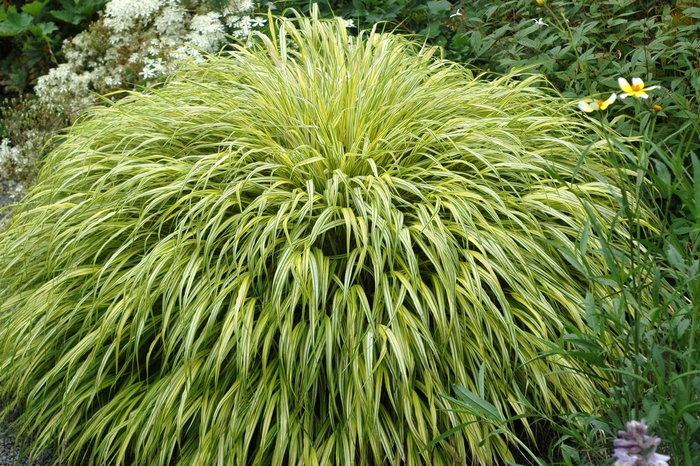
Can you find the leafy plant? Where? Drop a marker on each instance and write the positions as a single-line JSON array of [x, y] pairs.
[[584, 47], [645, 349], [286, 255], [31, 35], [657, 375]]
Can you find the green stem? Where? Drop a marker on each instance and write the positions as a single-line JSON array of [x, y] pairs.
[[566, 29]]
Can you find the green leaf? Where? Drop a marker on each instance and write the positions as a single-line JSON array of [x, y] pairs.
[[47, 28], [652, 414], [475, 40], [76, 12], [592, 318], [459, 40], [528, 43], [438, 7], [696, 182], [68, 16], [35, 8], [692, 12], [432, 30], [585, 234], [3, 13], [664, 178], [682, 326], [675, 259], [694, 424], [478, 405], [480, 380], [15, 24], [359, 7]]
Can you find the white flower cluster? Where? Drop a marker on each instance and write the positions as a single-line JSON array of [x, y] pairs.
[[13, 161], [122, 14], [140, 39], [206, 33]]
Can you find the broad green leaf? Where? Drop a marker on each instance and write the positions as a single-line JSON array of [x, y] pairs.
[[15, 24], [43, 30], [68, 16], [35, 8], [439, 6], [431, 30], [675, 259], [681, 327]]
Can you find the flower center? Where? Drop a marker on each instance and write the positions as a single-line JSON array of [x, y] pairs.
[[637, 87]]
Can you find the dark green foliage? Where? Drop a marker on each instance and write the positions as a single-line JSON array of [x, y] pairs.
[[419, 17], [586, 46], [31, 35]]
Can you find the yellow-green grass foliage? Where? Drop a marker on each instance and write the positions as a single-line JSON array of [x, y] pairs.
[[286, 255]]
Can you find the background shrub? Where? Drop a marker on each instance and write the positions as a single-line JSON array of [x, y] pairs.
[[287, 255], [31, 36]]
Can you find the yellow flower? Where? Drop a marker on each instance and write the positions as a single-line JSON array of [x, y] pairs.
[[658, 108], [591, 105], [637, 88], [541, 2]]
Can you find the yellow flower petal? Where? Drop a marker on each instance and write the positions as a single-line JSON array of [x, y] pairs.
[[606, 103]]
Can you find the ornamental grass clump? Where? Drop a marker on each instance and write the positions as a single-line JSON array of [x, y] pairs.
[[286, 255]]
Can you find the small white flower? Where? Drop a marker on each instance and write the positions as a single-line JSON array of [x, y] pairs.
[[349, 23], [245, 22], [540, 22], [457, 13], [153, 68], [231, 20], [147, 35], [258, 22]]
